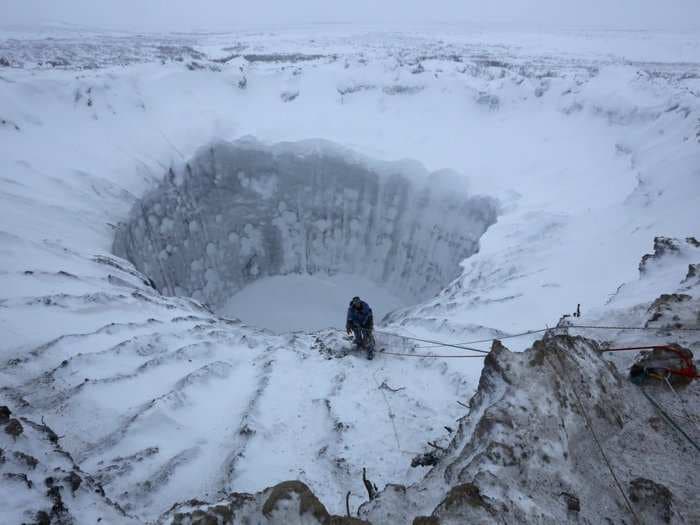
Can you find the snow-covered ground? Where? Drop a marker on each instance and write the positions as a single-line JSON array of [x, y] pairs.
[[589, 144]]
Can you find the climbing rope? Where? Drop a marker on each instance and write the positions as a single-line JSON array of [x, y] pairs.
[[542, 330], [438, 343], [482, 353], [566, 380], [649, 328], [688, 370], [452, 356], [682, 404], [392, 417], [500, 338], [391, 412], [669, 418], [627, 348], [462, 346]]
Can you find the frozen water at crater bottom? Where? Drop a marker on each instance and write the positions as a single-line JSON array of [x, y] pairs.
[[283, 303]]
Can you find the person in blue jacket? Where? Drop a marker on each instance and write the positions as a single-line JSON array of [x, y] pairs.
[[360, 323]]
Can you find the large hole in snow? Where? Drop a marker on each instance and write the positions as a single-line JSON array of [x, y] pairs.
[[283, 236]]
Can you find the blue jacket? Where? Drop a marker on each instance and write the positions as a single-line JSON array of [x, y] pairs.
[[361, 317]]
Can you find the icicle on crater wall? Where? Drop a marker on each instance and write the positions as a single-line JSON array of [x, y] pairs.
[[241, 211]]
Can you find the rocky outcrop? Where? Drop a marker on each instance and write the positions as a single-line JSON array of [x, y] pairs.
[[14, 428], [534, 447], [667, 309], [654, 501], [5, 414], [674, 268], [680, 309], [287, 502], [693, 275], [663, 246]]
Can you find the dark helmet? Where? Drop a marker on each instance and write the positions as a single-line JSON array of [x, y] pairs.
[[356, 302]]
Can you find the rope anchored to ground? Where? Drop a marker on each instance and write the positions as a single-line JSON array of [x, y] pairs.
[[462, 346]]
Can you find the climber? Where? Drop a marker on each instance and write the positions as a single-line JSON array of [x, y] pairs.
[[360, 323]]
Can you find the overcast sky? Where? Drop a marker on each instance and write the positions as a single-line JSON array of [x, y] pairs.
[[221, 15]]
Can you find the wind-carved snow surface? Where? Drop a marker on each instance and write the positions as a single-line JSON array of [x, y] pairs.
[[240, 211]]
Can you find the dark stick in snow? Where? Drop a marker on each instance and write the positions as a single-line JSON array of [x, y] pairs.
[[371, 487]]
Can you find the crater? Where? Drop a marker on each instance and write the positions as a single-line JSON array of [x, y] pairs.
[[282, 236]]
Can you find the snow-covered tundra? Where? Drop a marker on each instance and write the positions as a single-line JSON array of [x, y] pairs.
[[183, 219]]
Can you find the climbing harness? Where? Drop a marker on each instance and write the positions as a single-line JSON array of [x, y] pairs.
[[365, 340]]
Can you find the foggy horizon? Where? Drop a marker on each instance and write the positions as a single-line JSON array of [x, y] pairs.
[[222, 15]]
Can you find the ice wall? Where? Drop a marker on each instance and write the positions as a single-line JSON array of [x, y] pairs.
[[240, 211]]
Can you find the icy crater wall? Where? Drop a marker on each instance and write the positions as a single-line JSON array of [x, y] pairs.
[[241, 211]]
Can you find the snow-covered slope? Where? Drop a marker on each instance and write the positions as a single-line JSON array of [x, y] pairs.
[[42, 483], [588, 143], [176, 406], [525, 453], [555, 434]]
